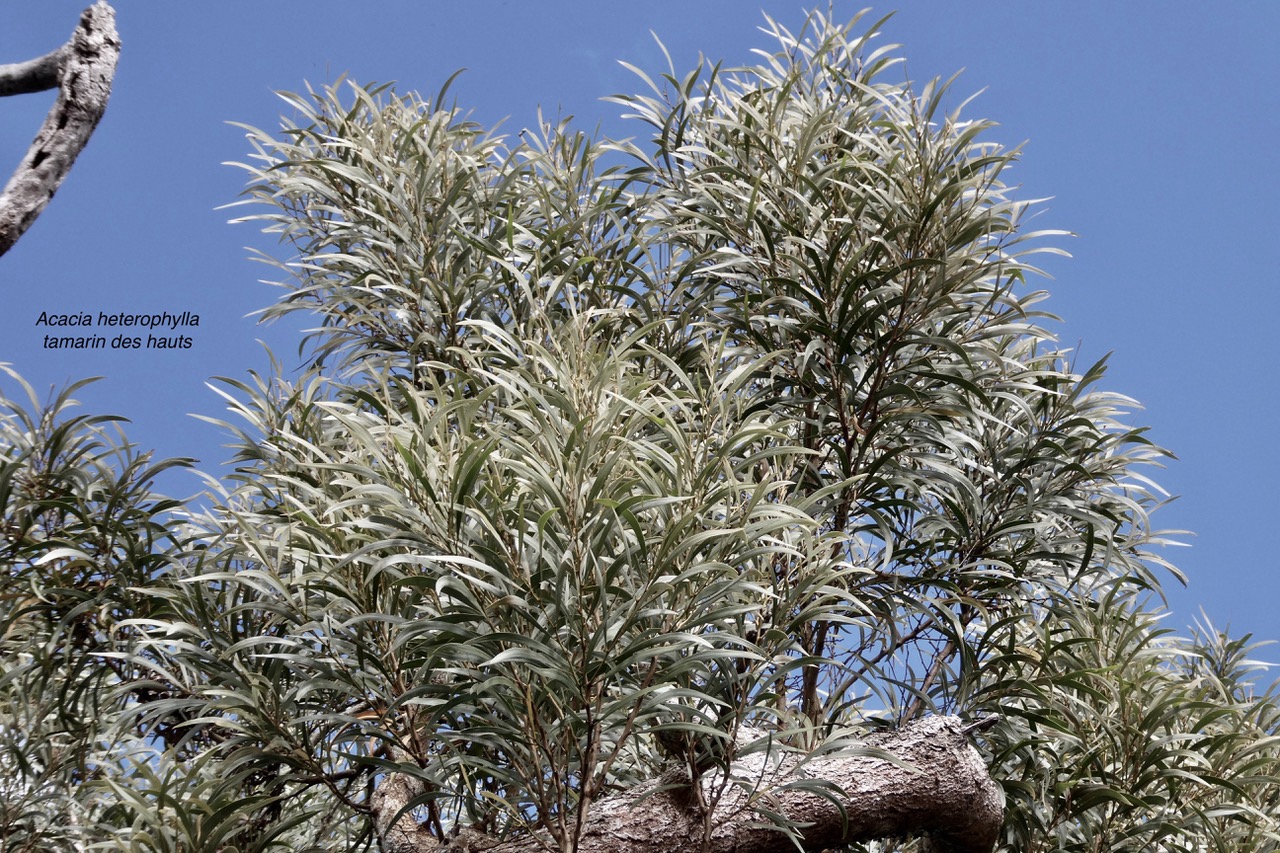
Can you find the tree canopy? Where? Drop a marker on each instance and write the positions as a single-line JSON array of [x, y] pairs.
[[723, 488]]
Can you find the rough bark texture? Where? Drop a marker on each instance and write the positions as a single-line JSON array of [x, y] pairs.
[[82, 70], [946, 794]]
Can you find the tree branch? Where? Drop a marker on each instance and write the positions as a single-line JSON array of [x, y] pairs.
[[945, 793], [34, 75], [82, 70]]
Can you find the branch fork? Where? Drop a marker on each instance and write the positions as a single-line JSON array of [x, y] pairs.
[[82, 70]]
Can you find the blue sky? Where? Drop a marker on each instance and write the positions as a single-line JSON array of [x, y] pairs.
[[1153, 127]]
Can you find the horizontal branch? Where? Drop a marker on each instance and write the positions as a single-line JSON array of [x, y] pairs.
[[83, 70], [938, 787], [34, 75]]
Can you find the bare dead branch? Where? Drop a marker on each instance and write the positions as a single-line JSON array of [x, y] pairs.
[[938, 786], [34, 75], [82, 70]]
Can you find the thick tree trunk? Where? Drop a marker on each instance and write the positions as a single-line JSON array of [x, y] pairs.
[[82, 70], [945, 794]]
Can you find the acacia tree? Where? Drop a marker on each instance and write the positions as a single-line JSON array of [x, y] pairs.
[[718, 491]]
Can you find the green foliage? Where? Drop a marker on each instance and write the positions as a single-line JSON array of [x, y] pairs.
[[618, 461]]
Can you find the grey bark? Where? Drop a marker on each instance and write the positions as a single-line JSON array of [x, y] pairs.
[[945, 793], [82, 70]]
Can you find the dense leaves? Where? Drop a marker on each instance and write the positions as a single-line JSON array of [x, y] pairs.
[[613, 462]]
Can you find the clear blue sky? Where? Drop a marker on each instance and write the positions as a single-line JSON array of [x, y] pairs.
[[1153, 126]]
